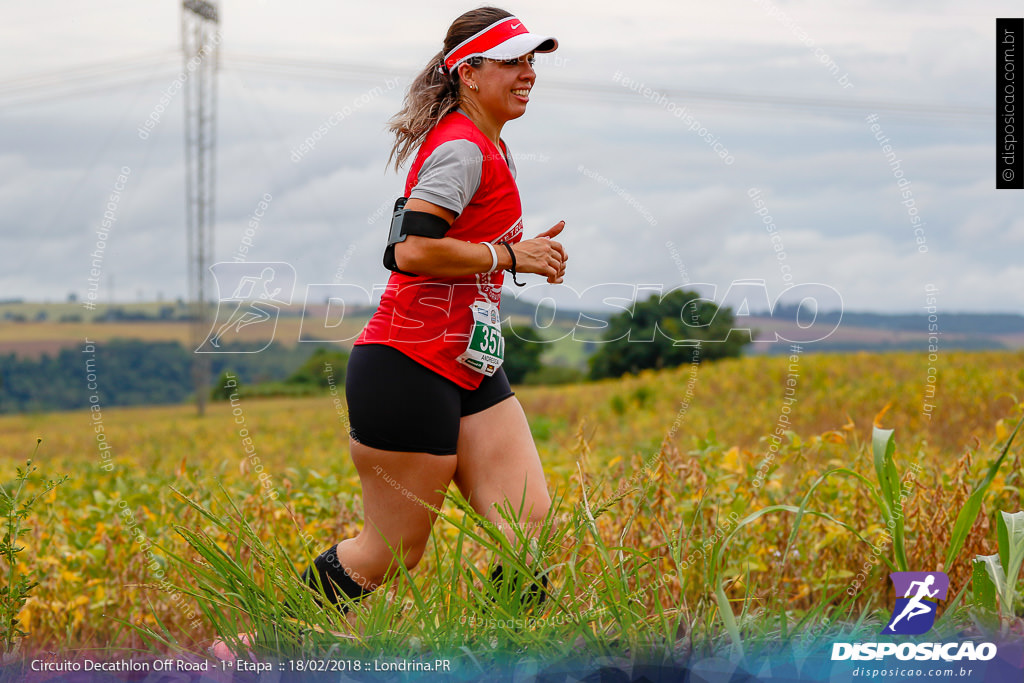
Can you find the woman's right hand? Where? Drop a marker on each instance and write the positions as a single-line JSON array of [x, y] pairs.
[[542, 255]]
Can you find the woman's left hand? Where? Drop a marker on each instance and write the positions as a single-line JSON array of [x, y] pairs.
[[543, 255]]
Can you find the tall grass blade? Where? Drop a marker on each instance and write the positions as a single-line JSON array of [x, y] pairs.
[[821, 480], [883, 445], [969, 513], [1010, 530], [983, 582]]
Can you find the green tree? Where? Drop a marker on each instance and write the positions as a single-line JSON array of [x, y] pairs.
[[648, 336], [322, 368], [226, 385], [523, 347]]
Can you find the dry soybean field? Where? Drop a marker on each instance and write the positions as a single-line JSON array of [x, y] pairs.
[[693, 511]]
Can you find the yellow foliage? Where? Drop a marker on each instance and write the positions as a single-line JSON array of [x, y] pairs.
[[90, 559]]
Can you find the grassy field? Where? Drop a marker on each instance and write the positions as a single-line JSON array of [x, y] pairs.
[[33, 339], [653, 474]]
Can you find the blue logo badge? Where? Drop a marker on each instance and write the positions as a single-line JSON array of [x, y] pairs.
[[917, 598]]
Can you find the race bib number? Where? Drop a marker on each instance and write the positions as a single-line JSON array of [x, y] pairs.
[[486, 350]]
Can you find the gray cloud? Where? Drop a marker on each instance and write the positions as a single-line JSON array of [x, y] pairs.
[[823, 175]]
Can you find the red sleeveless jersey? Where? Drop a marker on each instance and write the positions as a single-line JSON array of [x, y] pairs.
[[428, 318]]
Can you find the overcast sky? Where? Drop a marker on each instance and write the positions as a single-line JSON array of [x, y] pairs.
[[647, 201]]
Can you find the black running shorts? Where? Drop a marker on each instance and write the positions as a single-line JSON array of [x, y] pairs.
[[396, 404]]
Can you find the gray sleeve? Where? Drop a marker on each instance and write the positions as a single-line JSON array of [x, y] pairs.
[[511, 161], [450, 176]]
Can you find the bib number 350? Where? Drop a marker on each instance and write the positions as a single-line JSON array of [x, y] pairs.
[[486, 350]]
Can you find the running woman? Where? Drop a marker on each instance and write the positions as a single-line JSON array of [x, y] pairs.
[[428, 401]]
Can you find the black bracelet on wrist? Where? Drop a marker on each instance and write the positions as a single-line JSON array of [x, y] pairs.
[[512, 270]]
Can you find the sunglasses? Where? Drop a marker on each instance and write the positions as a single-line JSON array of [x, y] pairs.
[[530, 59]]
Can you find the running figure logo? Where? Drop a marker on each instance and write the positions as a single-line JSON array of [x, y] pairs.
[[921, 592], [258, 290]]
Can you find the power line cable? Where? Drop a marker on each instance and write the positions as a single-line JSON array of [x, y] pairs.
[[333, 71], [58, 95], [76, 82]]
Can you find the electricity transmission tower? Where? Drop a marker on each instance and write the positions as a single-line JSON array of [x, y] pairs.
[[200, 40]]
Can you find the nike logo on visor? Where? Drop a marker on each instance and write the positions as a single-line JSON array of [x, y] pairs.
[[515, 26]]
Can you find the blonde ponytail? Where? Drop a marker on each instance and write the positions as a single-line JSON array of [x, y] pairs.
[[435, 93]]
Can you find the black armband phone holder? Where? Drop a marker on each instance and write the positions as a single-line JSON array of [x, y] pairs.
[[405, 223]]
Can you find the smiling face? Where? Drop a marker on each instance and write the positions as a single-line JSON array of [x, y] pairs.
[[502, 87]]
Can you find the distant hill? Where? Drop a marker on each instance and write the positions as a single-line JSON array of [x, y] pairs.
[[30, 330], [960, 323], [864, 331]]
